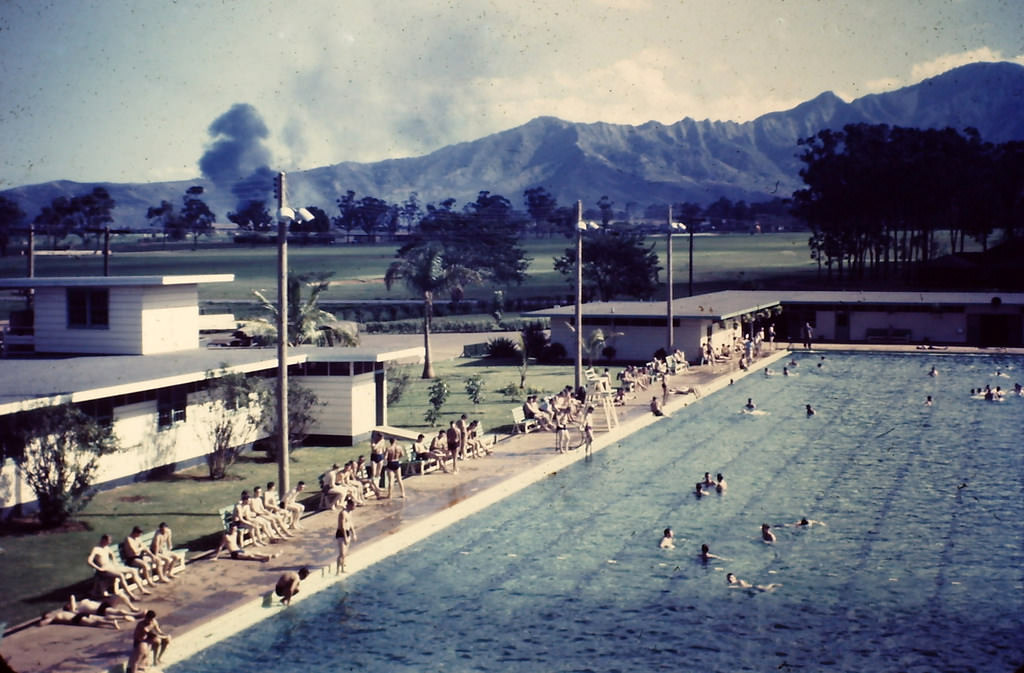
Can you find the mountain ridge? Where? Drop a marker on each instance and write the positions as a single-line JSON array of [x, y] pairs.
[[688, 160]]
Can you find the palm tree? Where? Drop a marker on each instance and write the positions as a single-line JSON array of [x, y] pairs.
[[307, 322], [425, 271]]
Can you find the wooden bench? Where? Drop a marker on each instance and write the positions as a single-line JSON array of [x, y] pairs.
[[520, 423]]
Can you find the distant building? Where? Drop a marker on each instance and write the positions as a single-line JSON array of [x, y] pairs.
[[126, 350], [636, 329]]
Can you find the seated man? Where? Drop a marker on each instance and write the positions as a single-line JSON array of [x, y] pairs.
[[271, 504], [246, 519], [531, 409], [439, 448], [101, 558], [139, 556], [162, 547], [475, 441], [292, 505], [269, 519]]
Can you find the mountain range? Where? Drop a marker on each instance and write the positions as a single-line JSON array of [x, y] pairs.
[[689, 160]]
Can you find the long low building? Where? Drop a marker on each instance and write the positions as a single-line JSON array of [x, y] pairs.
[[132, 360], [636, 329]]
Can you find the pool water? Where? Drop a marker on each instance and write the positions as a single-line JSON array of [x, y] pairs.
[[919, 567]]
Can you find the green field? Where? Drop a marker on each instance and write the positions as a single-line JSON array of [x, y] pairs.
[[733, 259]]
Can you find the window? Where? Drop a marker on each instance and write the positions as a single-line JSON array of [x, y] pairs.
[[88, 307], [170, 406], [101, 411]]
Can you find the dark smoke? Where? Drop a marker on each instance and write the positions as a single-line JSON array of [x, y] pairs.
[[237, 159]]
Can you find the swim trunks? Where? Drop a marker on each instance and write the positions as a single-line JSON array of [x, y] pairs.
[[235, 554], [394, 465], [339, 533], [376, 457]]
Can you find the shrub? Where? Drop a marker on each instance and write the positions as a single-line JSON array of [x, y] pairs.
[[437, 395], [475, 388], [553, 352], [535, 339], [502, 347], [398, 381]]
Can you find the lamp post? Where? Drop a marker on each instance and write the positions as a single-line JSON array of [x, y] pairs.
[[285, 216], [672, 226], [581, 227]]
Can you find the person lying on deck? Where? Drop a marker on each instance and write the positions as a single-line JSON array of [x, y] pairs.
[[229, 541]]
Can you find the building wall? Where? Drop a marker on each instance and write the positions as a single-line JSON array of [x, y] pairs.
[[639, 343], [144, 446], [348, 404], [142, 321], [170, 319]]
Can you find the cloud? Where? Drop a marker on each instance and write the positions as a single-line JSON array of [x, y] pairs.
[[937, 66]]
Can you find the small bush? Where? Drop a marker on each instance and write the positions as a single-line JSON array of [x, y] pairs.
[[552, 352], [502, 347], [475, 388]]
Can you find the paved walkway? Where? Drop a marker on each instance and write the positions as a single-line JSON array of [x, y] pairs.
[[212, 600]]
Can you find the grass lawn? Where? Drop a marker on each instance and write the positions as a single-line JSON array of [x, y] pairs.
[[359, 269], [39, 571]]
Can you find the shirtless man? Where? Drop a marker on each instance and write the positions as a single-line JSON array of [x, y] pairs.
[[462, 426], [245, 519], [706, 555], [270, 503], [71, 618], [587, 428], [561, 431], [105, 608], [148, 637], [454, 441], [288, 584], [766, 534], [750, 406], [229, 541], [292, 504], [656, 407], [807, 523], [101, 558], [439, 449], [810, 410], [344, 535], [720, 485], [708, 481], [271, 520], [393, 465], [736, 583], [162, 544], [139, 556], [667, 540]]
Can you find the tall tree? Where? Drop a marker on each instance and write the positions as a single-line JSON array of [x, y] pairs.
[[426, 270], [541, 206], [252, 215], [196, 217], [11, 218], [614, 263]]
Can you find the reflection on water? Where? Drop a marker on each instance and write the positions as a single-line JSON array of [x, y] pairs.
[[917, 569]]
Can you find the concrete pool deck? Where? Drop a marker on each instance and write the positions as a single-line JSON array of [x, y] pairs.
[[213, 600]]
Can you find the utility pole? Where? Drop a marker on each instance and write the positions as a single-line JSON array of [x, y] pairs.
[[280, 191]]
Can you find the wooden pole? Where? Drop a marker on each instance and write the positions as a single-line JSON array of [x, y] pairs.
[[670, 339], [282, 341]]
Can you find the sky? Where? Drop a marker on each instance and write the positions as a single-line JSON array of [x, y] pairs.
[[127, 91]]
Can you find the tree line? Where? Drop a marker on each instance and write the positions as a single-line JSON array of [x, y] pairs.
[[877, 197]]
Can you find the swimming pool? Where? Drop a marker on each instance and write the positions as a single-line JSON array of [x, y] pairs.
[[918, 567]]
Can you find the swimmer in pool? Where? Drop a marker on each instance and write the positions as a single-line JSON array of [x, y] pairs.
[[767, 372], [928, 402], [736, 583], [766, 534], [708, 481], [810, 410], [933, 372], [785, 371], [750, 406], [806, 523], [794, 363], [667, 540], [699, 490], [721, 485], [706, 555]]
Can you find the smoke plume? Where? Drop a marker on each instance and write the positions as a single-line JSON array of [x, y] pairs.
[[237, 158]]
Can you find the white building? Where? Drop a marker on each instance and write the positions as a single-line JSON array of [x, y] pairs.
[[637, 329], [126, 350]]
